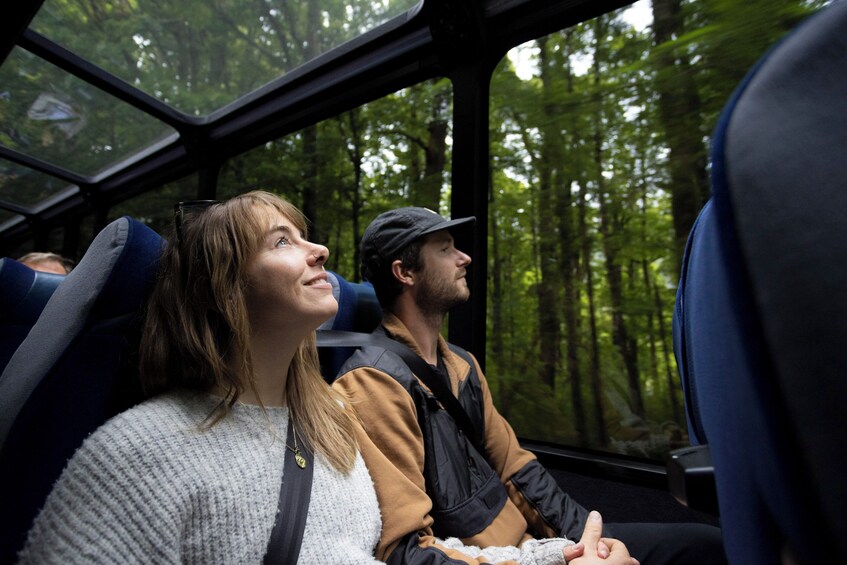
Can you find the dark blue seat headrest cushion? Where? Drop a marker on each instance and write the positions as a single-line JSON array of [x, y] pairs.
[[24, 292], [358, 311]]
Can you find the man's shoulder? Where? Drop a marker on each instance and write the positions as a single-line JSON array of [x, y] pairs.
[[381, 359]]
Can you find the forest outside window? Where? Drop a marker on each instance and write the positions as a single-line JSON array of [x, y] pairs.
[[344, 171], [599, 138], [199, 56], [155, 208]]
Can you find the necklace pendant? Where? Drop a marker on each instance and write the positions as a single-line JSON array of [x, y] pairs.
[[300, 460]]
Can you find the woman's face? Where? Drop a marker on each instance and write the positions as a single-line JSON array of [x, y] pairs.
[[287, 285]]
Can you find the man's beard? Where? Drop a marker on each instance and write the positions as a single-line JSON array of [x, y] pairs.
[[437, 297]]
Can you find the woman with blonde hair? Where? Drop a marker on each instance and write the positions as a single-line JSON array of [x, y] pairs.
[[228, 357]]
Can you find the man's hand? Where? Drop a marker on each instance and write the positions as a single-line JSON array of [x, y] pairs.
[[595, 550]]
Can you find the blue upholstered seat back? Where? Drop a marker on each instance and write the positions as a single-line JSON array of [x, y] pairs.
[[358, 311], [23, 294], [760, 326], [71, 373]]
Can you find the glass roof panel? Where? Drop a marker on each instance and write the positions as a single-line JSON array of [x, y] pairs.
[[26, 187], [156, 207], [198, 55], [5, 216], [51, 115]]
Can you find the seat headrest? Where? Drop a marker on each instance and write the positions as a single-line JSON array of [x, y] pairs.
[[106, 282], [764, 300], [358, 311], [781, 176], [25, 292]]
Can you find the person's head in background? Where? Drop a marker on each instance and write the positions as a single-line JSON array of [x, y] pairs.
[[47, 262], [239, 279]]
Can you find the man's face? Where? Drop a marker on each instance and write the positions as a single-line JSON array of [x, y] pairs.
[[442, 282]]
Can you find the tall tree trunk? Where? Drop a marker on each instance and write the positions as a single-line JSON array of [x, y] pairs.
[[495, 273], [435, 161], [614, 277], [608, 209], [426, 185], [310, 182], [673, 380], [651, 330], [546, 289], [645, 267], [569, 262], [354, 193], [679, 112], [596, 377]]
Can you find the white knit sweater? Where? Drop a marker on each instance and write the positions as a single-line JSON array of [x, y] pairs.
[[151, 486]]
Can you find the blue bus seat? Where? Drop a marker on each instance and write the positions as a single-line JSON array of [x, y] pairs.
[[73, 371], [358, 311], [23, 294], [760, 326]]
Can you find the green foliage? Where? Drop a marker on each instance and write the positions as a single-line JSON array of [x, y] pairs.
[[199, 56], [367, 161], [728, 36], [156, 208], [580, 132]]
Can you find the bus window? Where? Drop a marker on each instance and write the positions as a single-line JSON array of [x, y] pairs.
[[343, 171], [54, 116], [199, 56], [155, 208], [599, 137]]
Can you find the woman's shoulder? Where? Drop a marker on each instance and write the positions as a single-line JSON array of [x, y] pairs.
[[173, 406], [142, 459], [170, 418]]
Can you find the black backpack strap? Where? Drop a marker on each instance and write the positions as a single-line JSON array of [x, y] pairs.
[[423, 370], [473, 377], [293, 505]]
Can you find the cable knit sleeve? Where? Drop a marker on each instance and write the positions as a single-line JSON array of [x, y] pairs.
[[532, 552], [85, 518]]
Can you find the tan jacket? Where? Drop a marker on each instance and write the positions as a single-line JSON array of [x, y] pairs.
[[394, 453]]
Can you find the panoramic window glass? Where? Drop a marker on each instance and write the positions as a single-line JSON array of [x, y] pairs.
[[5, 216], [87, 234], [344, 171], [25, 186], [156, 207], [599, 137], [49, 114], [199, 56]]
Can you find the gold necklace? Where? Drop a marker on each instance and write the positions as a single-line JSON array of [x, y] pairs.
[[298, 457]]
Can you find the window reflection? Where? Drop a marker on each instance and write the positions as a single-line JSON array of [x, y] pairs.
[[53, 116]]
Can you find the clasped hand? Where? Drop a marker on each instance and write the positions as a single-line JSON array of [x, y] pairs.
[[593, 549]]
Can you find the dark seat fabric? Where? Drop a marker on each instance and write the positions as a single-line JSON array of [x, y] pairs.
[[761, 315], [23, 294], [74, 370], [358, 311]]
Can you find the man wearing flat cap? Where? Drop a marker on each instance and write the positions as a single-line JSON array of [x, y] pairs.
[[454, 465]]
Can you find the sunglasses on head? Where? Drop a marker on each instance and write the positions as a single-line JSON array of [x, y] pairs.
[[182, 210]]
